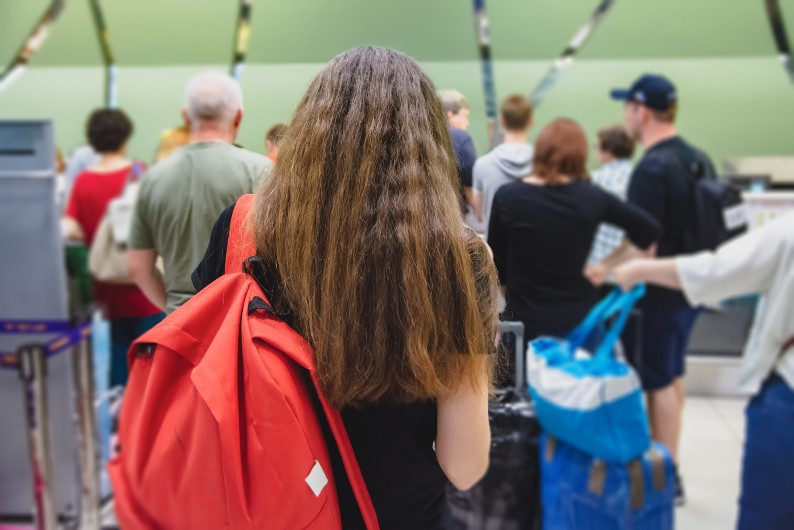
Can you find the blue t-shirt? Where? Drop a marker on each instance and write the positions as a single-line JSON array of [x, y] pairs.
[[466, 155]]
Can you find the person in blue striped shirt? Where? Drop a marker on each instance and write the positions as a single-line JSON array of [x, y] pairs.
[[615, 149]]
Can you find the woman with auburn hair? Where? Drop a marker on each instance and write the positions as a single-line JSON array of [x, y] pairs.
[[365, 254], [542, 228]]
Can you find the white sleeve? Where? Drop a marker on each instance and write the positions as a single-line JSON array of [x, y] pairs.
[[745, 265]]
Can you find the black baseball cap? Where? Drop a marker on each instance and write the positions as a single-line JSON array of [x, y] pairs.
[[653, 91]]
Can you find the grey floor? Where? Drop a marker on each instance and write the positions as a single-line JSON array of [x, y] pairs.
[[711, 453]]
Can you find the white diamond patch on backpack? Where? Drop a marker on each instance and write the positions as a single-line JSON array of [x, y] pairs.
[[317, 479]]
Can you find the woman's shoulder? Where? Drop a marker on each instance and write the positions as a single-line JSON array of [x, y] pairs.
[[516, 187], [82, 179], [587, 188], [417, 410]]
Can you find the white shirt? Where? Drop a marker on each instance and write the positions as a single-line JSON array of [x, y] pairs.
[[761, 261]]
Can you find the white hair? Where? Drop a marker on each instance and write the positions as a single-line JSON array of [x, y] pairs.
[[453, 100], [213, 97]]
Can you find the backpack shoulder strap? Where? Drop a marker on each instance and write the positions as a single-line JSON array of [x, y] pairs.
[[354, 476], [696, 163], [240, 244]]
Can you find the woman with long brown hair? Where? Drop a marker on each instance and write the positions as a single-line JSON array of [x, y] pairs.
[[541, 231], [365, 254]]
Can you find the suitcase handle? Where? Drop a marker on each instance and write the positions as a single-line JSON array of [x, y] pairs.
[[517, 329]]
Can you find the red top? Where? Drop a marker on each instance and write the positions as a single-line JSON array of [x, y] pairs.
[[88, 201]]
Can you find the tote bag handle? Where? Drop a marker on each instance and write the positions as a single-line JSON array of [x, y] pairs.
[[622, 308], [615, 302]]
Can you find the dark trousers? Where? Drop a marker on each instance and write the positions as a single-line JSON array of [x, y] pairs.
[[123, 331]]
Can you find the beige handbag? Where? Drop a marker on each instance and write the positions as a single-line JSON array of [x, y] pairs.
[[107, 257], [107, 260]]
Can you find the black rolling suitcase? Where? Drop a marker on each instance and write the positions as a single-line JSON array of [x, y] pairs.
[[508, 497]]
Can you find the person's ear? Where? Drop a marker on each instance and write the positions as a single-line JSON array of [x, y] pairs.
[[238, 118], [645, 114], [186, 119]]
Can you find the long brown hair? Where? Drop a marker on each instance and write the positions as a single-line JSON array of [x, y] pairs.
[[560, 152], [360, 221]]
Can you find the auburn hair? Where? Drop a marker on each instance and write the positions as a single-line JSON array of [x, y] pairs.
[[360, 221], [561, 152]]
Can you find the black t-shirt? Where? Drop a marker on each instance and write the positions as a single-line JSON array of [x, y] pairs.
[[541, 237], [393, 443], [662, 184]]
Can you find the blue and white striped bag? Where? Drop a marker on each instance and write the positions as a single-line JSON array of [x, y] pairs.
[[591, 401]]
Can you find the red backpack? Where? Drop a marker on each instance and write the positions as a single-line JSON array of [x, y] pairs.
[[219, 427]]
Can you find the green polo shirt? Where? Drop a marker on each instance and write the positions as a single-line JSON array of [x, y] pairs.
[[181, 198]]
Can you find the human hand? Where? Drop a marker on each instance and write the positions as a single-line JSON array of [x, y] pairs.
[[629, 274], [596, 273]]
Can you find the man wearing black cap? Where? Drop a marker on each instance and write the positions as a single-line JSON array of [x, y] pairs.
[[663, 184]]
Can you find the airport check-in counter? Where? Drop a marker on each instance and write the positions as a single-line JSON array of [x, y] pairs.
[[33, 288]]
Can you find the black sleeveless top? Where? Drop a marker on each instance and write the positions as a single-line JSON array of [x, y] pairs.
[[393, 443]]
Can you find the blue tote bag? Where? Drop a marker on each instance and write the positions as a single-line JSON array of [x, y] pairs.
[[591, 400]]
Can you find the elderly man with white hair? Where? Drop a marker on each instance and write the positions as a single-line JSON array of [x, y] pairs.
[[181, 197]]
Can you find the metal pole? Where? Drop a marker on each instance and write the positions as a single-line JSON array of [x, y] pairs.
[[111, 96], [569, 53], [32, 43], [87, 438], [241, 38], [483, 34], [780, 35], [33, 371]]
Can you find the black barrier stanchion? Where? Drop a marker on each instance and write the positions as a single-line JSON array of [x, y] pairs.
[[86, 426], [33, 371]]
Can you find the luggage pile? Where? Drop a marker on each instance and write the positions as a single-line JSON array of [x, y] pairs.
[[586, 493], [599, 467], [594, 466], [508, 496]]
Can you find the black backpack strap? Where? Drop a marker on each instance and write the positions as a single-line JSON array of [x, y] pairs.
[[696, 162], [695, 166], [258, 303], [688, 159]]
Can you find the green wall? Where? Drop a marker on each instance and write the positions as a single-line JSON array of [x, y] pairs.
[[735, 97], [166, 32]]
